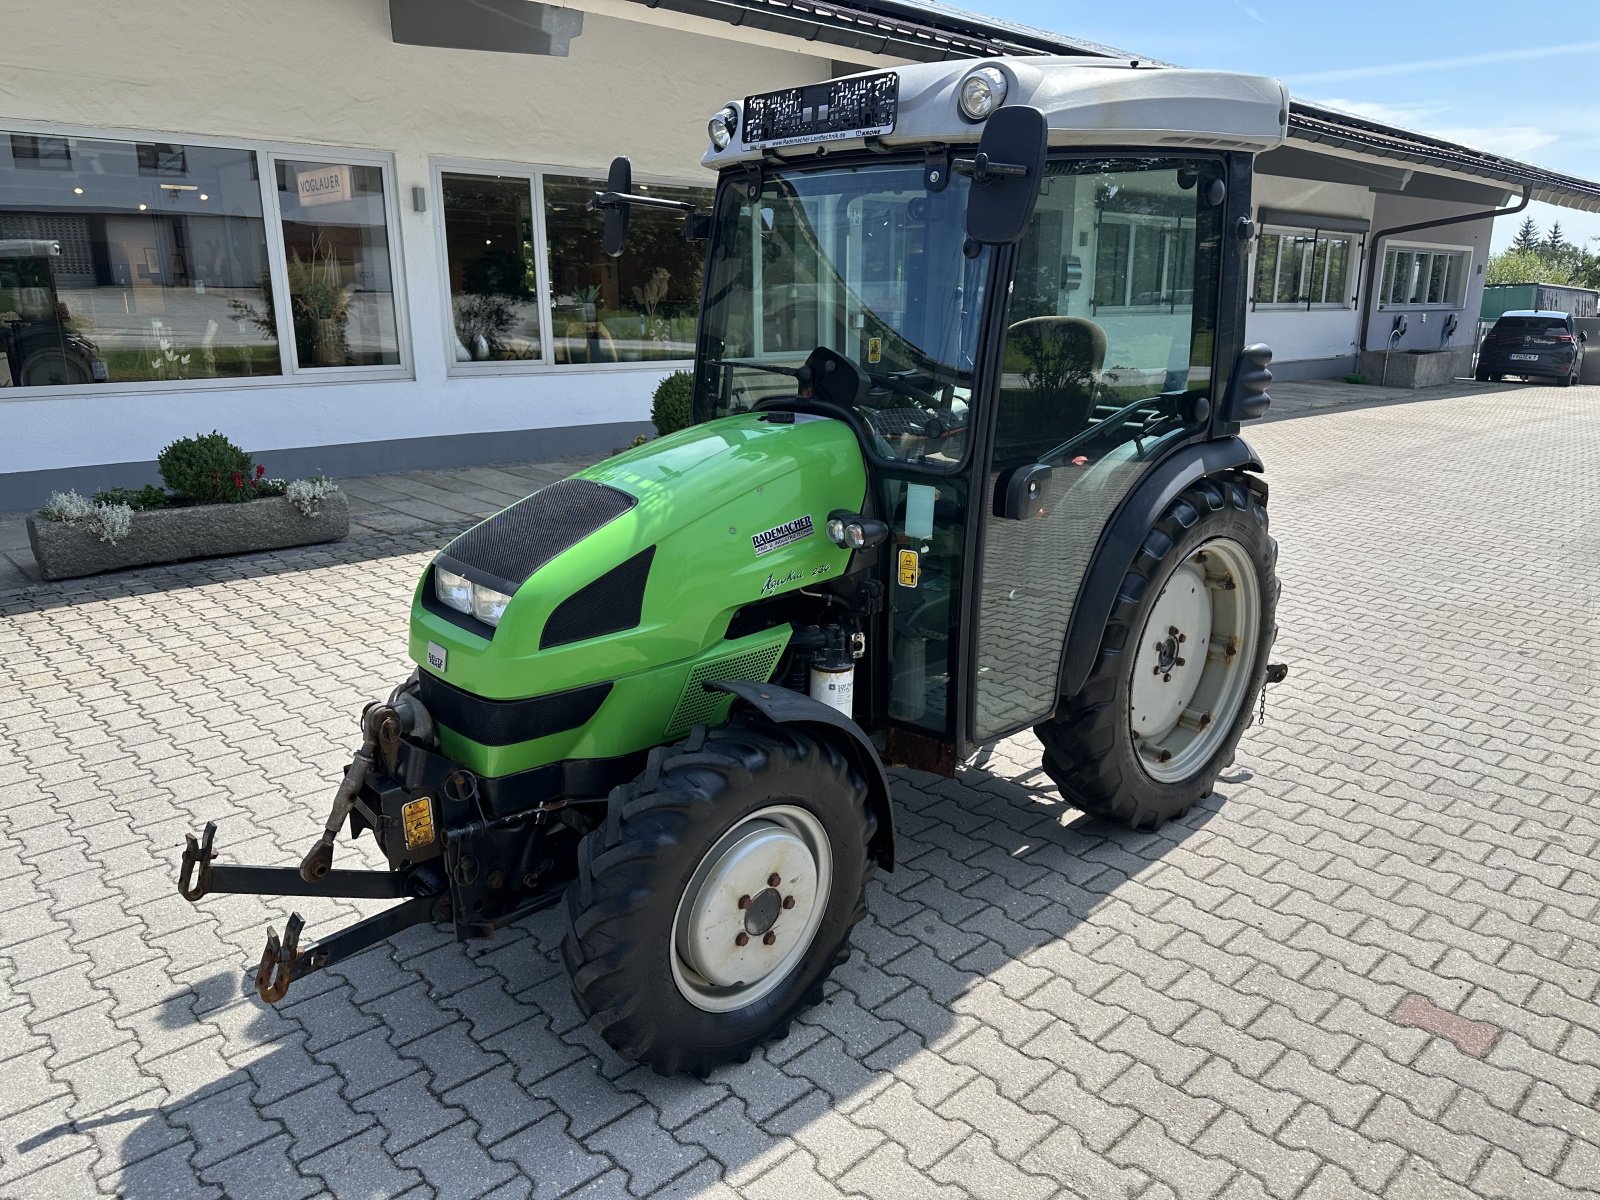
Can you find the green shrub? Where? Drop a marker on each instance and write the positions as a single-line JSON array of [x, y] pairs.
[[1355, 378], [209, 469], [149, 496], [672, 408]]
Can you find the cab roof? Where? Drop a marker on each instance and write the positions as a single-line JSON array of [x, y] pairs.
[[1086, 102]]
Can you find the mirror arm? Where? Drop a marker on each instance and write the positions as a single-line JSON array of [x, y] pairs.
[[982, 168], [604, 200]]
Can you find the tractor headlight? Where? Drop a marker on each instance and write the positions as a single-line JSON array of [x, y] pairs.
[[983, 91], [453, 591], [722, 126], [487, 604]]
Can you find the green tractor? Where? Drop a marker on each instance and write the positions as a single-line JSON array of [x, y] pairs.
[[966, 461]]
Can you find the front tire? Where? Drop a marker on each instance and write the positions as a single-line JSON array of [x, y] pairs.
[[1183, 655], [681, 950]]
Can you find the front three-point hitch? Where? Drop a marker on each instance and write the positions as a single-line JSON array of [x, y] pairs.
[[282, 962]]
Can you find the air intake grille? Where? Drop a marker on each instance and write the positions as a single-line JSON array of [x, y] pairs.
[[511, 545], [697, 705]]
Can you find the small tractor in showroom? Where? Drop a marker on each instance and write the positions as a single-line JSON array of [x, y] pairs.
[[968, 388]]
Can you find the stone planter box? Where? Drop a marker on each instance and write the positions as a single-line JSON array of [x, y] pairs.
[[164, 535], [1417, 368]]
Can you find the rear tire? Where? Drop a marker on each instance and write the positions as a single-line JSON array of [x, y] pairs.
[[1482, 377], [1090, 748], [653, 957]]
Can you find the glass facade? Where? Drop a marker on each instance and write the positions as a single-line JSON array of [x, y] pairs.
[[126, 262], [641, 307], [493, 266], [336, 252]]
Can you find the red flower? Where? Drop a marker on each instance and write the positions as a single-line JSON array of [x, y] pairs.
[[260, 470], [238, 484]]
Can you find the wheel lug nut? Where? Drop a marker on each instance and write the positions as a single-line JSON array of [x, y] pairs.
[[1178, 662], [743, 939], [744, 901], [1166, 678], [1172, 631], [773, 880], [788, 902], [1183, 637], [769, 938]]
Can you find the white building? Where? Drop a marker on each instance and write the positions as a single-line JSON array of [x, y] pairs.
[[351, 235]]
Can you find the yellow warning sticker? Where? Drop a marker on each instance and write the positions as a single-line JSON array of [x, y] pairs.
[[875, 350], [416, 818], [910, 568]]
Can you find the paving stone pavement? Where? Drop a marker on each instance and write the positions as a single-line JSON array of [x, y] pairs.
[[1367, 966]]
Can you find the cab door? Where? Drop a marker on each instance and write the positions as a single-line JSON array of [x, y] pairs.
[[1106, 365]]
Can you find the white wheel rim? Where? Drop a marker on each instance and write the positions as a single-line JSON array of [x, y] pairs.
[[737, 934], [1191, 668]]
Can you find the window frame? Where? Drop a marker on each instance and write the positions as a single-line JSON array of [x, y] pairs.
[[534, 173], [266, 152], [1318, 237], [1465, 255]]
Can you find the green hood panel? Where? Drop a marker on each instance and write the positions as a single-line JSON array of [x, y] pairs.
[[737, 511]]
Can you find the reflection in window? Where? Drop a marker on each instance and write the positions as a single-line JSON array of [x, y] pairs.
[[488, 230], [336, 243], [641, 307], [112, 270]]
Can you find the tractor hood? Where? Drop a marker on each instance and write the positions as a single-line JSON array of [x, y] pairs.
[[640, 561]]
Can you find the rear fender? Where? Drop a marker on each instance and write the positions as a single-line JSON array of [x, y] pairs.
[[1125, 533], [784, 707]]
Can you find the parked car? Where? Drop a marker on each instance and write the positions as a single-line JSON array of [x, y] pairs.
[[38, 346], [1533, 344]]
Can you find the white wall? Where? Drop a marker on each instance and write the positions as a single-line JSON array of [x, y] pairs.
[[325, 72], [1299, 335]]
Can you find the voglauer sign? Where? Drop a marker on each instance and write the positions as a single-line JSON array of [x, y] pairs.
[[323, 185]]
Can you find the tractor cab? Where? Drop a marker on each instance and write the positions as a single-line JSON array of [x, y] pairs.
[[969, 380], [1019, 311]]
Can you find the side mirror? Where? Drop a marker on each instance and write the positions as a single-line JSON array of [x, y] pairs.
[[1007, 174], [1247, 397], [619, 182], [1583, 335]]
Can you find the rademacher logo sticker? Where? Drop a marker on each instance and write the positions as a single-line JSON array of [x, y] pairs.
[[783, 535]]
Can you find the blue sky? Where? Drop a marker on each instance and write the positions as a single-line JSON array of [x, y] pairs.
[[1469, 71]]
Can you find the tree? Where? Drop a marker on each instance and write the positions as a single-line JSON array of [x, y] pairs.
[[1527, 236], [1554, 240], [1522, 266]]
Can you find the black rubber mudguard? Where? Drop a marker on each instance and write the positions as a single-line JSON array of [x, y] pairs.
[[782, 706], [1125, 533]]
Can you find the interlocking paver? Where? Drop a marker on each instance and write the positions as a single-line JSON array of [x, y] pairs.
[[1370, 972]]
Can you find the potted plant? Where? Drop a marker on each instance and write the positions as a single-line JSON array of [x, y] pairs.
[[216, 501], [321, 300]]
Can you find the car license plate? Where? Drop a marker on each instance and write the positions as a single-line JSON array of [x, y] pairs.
[[822, 112], [1524, 357]]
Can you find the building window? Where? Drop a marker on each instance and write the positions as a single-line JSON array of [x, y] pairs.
[[335, 230], [492, 262], [1418, 277], [122, 263], [641, 307], [1308, 267], [1144, 262]]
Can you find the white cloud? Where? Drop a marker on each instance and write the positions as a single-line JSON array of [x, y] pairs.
[[1411, 116], [1381, 70]]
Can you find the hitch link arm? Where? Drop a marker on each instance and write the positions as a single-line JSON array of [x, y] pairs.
[[380, 727], [284, 962], [200, 876]]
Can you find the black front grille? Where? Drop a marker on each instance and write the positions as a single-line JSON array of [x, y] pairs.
[[511, 545], [507, 722], [610, 604]]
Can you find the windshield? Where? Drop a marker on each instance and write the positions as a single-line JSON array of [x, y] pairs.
[[866, 261]]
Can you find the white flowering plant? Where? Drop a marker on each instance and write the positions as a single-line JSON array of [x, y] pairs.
[[307, 494], [109, 522]]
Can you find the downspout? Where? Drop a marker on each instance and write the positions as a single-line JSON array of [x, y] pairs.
[[1373, 274]]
